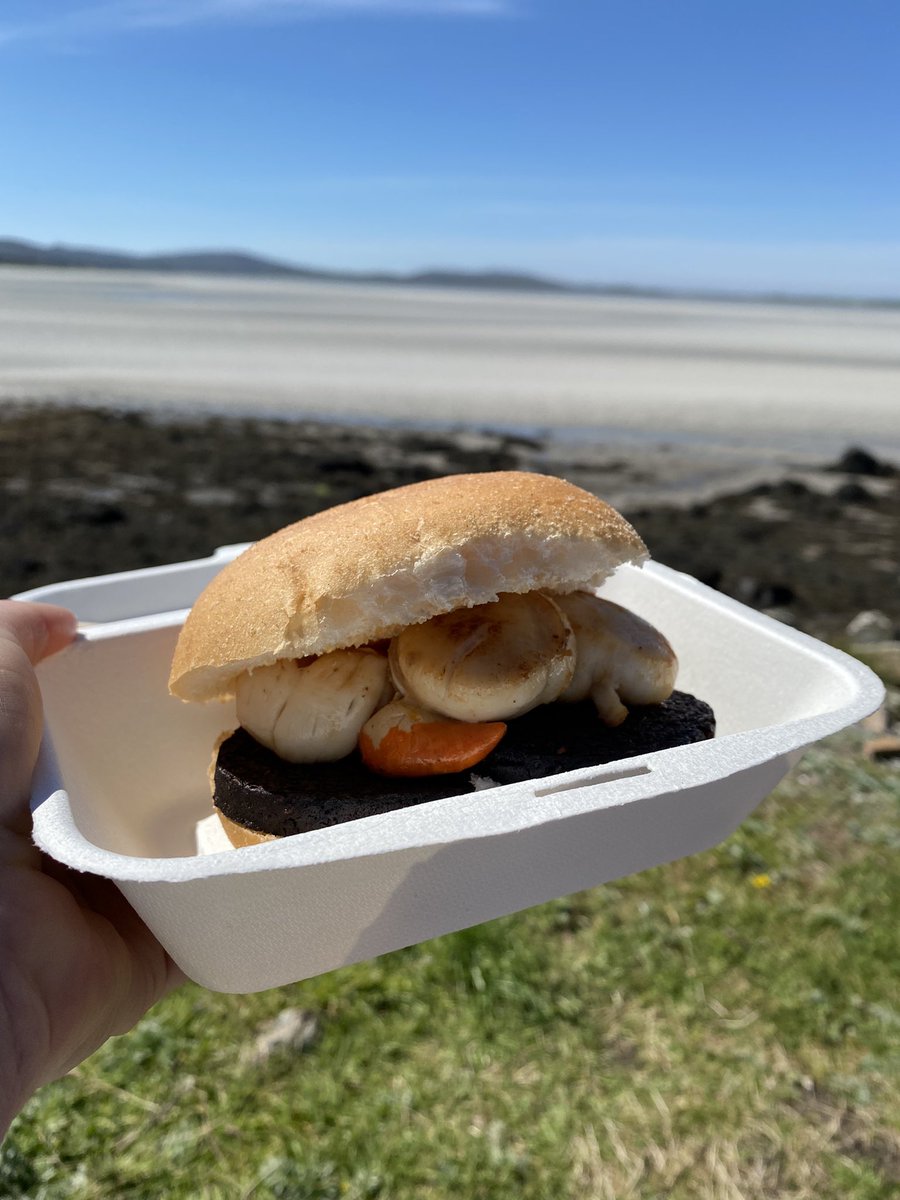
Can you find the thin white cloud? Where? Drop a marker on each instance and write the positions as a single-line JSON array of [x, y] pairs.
[[172, 13], [124, 16]]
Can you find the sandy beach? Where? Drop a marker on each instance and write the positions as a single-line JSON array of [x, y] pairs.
[[766, 380]]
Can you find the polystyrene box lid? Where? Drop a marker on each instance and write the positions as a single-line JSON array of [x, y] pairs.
[[122, 786]]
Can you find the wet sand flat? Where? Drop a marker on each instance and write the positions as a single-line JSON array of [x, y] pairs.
[[782, 377]]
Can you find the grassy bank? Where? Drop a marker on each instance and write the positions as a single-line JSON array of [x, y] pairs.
[[724, 1027]]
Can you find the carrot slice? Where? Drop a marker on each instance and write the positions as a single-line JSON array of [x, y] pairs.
[[414, 745]]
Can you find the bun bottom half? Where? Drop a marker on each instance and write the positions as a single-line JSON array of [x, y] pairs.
[[240, 836], [259, 796]]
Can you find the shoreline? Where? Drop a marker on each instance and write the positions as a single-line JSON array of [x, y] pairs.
[[90, 491], [668, 466], [781, 447]]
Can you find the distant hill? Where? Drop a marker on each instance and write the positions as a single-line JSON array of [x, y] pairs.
[[15, 251]]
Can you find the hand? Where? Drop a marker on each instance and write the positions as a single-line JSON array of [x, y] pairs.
[[77, 964]]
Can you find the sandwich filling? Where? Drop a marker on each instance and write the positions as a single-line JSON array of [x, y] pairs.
[[258, 791], [437, 698]]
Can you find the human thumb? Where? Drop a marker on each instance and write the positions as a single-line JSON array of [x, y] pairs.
[[28, 633]]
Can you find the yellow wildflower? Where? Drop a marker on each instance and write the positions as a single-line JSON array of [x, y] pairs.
[[761, 881]]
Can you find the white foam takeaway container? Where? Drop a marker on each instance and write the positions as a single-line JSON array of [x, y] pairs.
[[121, 788]]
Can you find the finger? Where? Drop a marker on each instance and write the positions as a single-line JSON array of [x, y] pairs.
[[28, 633], [40, 629]]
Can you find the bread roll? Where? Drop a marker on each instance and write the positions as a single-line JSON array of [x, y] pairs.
[[363, 571]]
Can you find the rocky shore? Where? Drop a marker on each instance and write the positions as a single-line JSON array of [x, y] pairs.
[[88, 491]]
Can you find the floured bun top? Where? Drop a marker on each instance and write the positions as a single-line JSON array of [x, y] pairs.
[[365, 570]]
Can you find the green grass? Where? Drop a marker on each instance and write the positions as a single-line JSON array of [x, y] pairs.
[[723, 1028]]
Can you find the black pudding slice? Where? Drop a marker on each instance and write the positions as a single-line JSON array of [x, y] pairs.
[[257, 789]]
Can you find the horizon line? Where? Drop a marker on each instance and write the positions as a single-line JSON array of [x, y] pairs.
[[517, 278]]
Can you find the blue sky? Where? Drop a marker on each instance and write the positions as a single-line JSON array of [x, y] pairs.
[[711, 143]]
